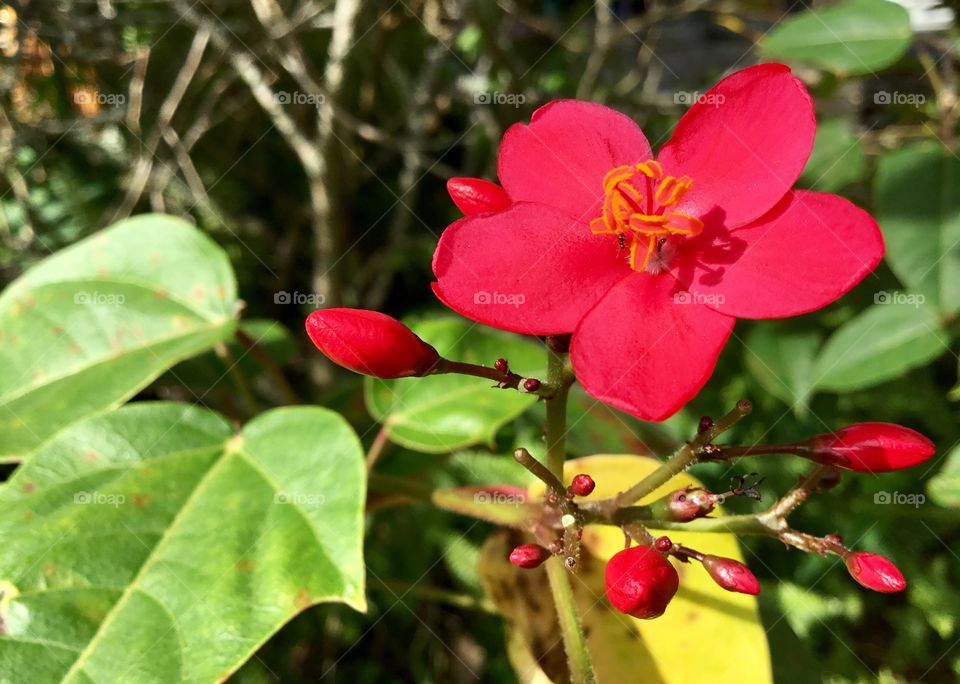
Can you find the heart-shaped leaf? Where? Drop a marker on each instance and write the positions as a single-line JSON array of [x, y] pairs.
[[441, 413], [150, 544], [90, 326]]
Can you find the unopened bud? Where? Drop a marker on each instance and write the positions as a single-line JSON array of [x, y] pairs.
[[683, 505], [871, 447], [731, 574], [476, 195], [531, 384], [582, 484], [529, 556], [640, 582], [875, 572], [663, 544], [370, 342]]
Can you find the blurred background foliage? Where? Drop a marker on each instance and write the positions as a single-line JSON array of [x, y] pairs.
[[312, 141]]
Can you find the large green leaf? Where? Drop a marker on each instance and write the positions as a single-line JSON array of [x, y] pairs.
[[879, 344], [782, 362], [918, 206], [90, 326], [851, 37], [150, 544], [445, 412], [837, 158]]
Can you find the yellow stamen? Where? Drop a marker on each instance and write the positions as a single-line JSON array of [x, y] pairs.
[[634, 205]]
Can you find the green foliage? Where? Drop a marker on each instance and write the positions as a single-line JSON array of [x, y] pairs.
[[92, 325], [879, 344], [442, 413], [837, 158], [852, 37], [150, 544], [782, 362], [918, 207]]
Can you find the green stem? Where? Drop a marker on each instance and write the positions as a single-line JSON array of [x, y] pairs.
[[733, 524], [571, 629], [556, 430], [683, 457]]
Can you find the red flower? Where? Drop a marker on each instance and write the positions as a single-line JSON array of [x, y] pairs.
[[370, 342], [875, 572], [648, 262], [640, 582], [872, 447]]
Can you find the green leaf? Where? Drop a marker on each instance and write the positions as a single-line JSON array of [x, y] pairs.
[[850, 38], [150, 544], [442, 413], [837, 158], [782, 363], [918, 206], [944, 487], [90, 326], [881, 343]]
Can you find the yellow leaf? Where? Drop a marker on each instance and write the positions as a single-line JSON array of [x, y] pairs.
[[707, 633]]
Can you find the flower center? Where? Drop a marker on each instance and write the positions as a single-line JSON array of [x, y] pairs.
[[636, 203]]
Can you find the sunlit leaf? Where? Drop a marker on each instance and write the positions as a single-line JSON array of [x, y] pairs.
[[150, 544], [90, 326]]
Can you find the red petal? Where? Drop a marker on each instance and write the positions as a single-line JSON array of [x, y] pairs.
[[531, 269], [476, 195], [743, 143], [810, 250], [645, 351], [560, 159]]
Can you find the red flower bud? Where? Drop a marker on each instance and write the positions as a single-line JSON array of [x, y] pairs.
[[531, 384], [732, 575], [501, 365], [582, 484], [640, 582], [370, 342], [875, 572], [663, 544], [529, 556], [683, 505], [475, 195], [871, 447]]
